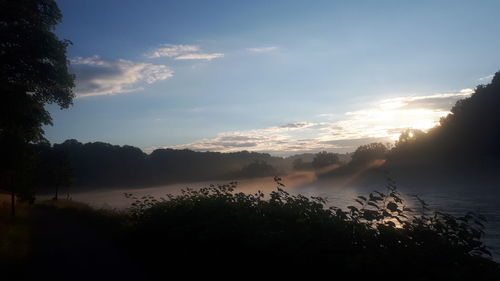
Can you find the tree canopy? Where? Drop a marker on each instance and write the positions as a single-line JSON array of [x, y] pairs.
[[465, 140], [98, 164], [34, 69], [324, 158], [33, 73], [367, 153]]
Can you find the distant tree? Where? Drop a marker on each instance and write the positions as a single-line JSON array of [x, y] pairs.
[[33, 73], [464, 143], [103, 164], [367, 153], [408, 136], [323, 159], [258, 169], [53, 168], [298, 164]]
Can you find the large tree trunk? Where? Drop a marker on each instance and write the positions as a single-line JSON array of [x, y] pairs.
[[13, 205]]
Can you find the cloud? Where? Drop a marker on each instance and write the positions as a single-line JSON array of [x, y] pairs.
[[200, 56], [169, 50], [389, 117], [183, 52], [97, 77], [435, 102], [295, 125], [275, 139], [382, 122], [264, 140], [263, 49], [486, 78], [352, 143]]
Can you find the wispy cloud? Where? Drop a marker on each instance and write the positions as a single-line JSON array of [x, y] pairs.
[[486, 78], [183, 52], [169, 50], [435, 102], [296, 125], [263, 49], [382, 122], [199, 56], [96, 77]]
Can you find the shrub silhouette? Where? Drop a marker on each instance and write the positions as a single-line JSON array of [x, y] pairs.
[[380, 236]]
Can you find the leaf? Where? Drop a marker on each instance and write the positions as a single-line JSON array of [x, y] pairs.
[[362, 198], [370, 215], [391, 224], [391, 206], [353, 209], [479, 223], [375, 198]]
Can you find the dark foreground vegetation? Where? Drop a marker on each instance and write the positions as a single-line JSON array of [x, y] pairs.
[[216, 230]]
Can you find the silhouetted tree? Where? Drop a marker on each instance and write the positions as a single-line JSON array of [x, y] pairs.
[[103, 164], [258, 169], [53, 168], [367, 153], [409, 135], [465, 140], [299, 164], [33, 73], [323, 159]]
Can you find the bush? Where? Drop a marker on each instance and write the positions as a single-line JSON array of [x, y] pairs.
[[379, 237]]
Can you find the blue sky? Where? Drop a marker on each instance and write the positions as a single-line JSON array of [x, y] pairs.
[[274, 76]]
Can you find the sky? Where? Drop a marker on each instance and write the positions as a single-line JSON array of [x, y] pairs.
[[272, 76]]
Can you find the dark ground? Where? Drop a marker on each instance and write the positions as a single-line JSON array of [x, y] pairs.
[[65, 248]]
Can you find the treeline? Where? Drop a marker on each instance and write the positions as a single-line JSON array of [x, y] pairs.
[[465, 140], [102, 164], [99, 164], [464, 147]]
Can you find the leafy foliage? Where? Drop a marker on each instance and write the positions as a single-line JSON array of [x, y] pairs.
[[465, 140], [365, 154], [33, 73], [381, 236], [34, 69]]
